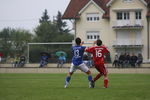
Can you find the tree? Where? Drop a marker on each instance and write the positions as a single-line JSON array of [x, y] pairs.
[[52, 31], [45, 17], [19, 40], [5, 41], [45, 32], [61, 25], [14, 41]]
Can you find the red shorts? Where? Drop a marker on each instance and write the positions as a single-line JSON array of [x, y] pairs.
[[101, 68]]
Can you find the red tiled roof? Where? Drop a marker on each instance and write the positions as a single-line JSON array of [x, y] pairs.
[[76, 5], [102, 4], [148, 2], [73, 8]]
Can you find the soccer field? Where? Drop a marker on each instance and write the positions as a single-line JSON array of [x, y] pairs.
[[51, 87]]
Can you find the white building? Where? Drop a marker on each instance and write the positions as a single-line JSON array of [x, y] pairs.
[[122, 25]]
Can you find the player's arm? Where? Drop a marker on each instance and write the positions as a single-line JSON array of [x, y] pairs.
[[90, 49], [94, 43], [81, 43], [86, 49]]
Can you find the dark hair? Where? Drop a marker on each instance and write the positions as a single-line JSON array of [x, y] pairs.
[[78, 41], [99, 42]]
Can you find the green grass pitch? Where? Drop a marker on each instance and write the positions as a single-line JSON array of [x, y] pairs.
[[51, 87]]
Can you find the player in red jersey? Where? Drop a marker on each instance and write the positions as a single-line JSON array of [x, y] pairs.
[[98, 52]]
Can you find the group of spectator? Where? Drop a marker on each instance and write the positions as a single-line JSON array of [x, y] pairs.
[[125, 60], [45, 57], [121, 61]]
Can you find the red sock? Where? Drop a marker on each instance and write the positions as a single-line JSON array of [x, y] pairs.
[[97, 77], [106, 83]]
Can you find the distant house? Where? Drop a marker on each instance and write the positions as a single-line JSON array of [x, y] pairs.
[[122, 25]]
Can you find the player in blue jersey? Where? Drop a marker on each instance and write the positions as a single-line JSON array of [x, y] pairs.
[[77, 63]]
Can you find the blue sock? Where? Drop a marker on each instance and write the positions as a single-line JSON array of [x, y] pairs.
[[90, 78], [68, 79]]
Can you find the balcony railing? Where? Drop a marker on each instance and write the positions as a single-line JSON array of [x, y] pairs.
[[127, 43], [128, 24]]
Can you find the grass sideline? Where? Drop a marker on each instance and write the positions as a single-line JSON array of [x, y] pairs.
[[51, 87]]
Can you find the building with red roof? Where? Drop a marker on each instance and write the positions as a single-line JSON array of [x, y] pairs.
[[122, 25]]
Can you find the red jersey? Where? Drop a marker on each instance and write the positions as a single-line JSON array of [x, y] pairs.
[[98, 53]]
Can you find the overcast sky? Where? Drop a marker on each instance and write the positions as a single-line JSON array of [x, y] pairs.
[[26, 13]]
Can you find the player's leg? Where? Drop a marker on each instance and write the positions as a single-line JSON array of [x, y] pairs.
[[68, 78], [105, 81], [99, 74], [97, 77], [105, 73], [89, 75], [102, 72], [91, 82], [85, 69]]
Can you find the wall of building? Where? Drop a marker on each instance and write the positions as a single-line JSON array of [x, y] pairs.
[[149, 39], [82, 25], [104, 26], [119, 5]]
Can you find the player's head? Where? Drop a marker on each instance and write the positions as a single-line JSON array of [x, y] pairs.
[[99, 42], [78, 41]]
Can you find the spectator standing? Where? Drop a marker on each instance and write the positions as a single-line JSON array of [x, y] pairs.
[[61, 60], [10, 60], [44, 59], [0, 58], [133, 60], [127, 60], [121, 60], [116, 60], [22, 61], [16, 60], [1, 54], [139, 59]]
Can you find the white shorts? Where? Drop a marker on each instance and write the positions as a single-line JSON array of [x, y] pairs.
[[82, 67]]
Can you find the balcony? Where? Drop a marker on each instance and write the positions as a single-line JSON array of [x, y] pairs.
[[127, 24], [127, 44]]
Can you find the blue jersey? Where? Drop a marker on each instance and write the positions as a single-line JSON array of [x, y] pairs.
[[77, 52]]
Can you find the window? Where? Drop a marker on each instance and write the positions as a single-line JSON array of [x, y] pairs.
[[93, 35], [126, 15], [93, 17], [123, 15], [138, 15], [119, 16]]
